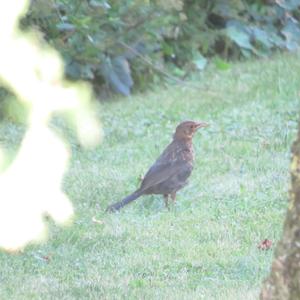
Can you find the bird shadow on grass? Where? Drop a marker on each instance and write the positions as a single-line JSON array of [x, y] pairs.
[[154, 204], [151, 205]]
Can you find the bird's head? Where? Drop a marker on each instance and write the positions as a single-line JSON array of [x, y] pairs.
[[186, 129]]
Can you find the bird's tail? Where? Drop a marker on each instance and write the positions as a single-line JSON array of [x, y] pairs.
[[118, 205]]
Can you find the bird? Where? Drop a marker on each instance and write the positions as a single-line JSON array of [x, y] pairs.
[[170, 171]]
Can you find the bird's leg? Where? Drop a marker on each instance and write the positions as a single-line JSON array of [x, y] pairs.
[[166, 198], [173, 197]]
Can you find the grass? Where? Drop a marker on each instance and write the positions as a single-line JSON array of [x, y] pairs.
[[206, 246]]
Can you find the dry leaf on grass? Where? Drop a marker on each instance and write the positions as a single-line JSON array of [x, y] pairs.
[[265, 244]]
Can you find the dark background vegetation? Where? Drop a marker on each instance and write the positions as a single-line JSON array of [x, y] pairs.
[[120, 44], [127, 46]]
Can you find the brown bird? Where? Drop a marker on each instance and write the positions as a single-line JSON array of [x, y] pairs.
[[171, 170]]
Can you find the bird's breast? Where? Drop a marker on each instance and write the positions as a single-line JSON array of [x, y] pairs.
[[188, 155], [177, 151]]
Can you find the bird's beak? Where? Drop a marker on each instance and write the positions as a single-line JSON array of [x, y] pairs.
[[201, 124]]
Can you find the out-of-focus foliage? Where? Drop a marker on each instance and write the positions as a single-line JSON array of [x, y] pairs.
[[91, 35], [237, 28], [124, 42], [30, 186]]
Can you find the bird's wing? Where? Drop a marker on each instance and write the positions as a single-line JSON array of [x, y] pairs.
[[160, 172]]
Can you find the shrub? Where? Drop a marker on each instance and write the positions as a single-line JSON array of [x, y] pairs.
[[118, 43]]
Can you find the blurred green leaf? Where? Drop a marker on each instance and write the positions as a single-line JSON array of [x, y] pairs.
[[240, 37], [65, 27], [289, 4], [262, 36], [200, 61], [292, 34], [221, 64], [178, 72], [117, 73]]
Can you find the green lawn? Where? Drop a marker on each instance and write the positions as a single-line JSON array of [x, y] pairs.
[[206, 246]]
